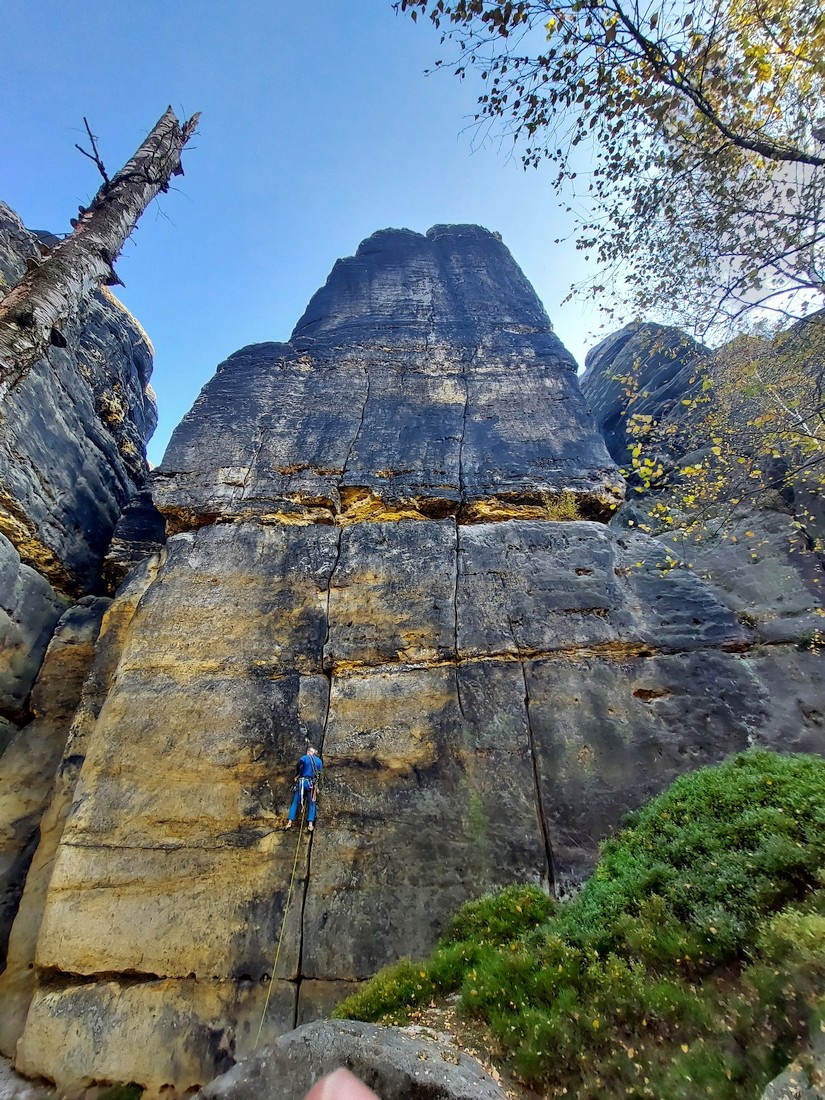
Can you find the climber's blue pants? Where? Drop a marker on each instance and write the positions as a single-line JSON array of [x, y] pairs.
[[303, 793]]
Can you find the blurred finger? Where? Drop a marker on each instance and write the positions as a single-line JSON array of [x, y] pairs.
[[340, 1085]]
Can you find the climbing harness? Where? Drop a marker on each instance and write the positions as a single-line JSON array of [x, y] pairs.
[[283, 926]]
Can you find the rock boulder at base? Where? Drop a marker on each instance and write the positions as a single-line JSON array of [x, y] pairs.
[[398, 1064]]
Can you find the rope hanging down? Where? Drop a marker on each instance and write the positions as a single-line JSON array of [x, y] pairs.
[[283, 926]]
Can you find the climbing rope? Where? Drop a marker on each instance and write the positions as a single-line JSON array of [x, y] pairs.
[[283, 926]]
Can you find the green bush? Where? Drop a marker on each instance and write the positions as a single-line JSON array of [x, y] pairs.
[[479, 926], [689, 965], [499, 918], [393, 990]]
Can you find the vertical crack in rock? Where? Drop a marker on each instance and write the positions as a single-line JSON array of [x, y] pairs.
[[430, 324], [252, 465], [466, 384], [358, 431], [325, 667], [531, 741], [299, 969], [327, 672], [455, 621]]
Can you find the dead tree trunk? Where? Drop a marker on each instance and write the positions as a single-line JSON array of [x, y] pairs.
[[33, 313]]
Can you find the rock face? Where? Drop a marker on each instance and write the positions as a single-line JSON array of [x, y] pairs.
[[73, 436], [655, 366], [28, 765], [423, 381], [759, 563], [29, 611], [386, 538], [399, 1064]]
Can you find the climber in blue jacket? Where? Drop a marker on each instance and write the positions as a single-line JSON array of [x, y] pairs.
[[307, 774]]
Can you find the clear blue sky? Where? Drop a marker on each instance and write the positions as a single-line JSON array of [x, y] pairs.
[[318, 128]]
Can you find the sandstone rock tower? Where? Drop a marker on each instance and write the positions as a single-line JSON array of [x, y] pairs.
[[389, 536]]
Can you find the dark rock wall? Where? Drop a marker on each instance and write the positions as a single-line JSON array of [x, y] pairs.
[[73, 438], [759, 559], [646, 369], [424, 379]]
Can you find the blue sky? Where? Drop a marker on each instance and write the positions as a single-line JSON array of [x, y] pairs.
[[319, 127]]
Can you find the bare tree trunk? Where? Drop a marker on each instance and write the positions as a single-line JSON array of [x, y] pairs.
[[33, 313]]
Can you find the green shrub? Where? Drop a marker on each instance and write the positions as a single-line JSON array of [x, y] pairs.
[[563, 505], [499, 918], [479, 926], [689, 965], [121, 1092], [390, 994]]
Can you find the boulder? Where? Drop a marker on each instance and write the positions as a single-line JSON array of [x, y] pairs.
[[398, 1064]]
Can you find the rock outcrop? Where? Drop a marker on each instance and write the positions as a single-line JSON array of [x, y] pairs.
[[388, 537], [399, 1064], [758, 559], [423, 381], [649, 370], [73, 435]]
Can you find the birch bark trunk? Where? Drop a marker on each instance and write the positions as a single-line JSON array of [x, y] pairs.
[[33, 313]]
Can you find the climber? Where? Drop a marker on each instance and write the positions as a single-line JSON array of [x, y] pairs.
[[307, 773]]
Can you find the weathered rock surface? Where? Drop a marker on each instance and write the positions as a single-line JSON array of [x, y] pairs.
[[423, 380], [72, 452], [140, 532], [18, 248], [27, 767], [14, 1087], [756, 560], [659, 366], [398, 1064], [804, 1079], [17, 980], [29, 611], [73, 434], [363, 553]]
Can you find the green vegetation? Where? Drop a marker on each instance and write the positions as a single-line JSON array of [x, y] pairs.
[[562, 505], [685, 141], [691, 963], [121, 1092]]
